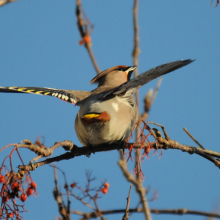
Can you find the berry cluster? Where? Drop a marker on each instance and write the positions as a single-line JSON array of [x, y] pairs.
[[13, 188], [105, 188]]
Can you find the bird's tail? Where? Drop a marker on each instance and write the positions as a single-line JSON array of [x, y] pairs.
[[60, 94]]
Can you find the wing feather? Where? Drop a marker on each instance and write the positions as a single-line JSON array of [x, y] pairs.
[[132, 85], [71, 96]]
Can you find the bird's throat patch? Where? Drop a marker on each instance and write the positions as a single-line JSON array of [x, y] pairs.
[[94, 118]]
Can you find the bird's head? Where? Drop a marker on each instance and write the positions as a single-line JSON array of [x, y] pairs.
[[114, 76]]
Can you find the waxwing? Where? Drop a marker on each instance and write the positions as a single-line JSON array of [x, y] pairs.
[[107, 113]]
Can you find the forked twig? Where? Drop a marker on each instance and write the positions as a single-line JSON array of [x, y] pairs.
[[162, 127]]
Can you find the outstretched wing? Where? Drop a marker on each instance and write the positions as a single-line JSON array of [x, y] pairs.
[[132, 85], [72, 96]]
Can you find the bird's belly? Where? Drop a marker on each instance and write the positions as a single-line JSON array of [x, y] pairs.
[[98, 133], [117, 128]]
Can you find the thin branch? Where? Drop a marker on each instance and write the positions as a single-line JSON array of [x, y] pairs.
[[149, 99], [159, 81], [82, 201], [83, 30], [135, 54], [164, 131], [126, 215], [136, 50], [63, 210], [154, 211], [193, 138], [212, 159], [137, 183]]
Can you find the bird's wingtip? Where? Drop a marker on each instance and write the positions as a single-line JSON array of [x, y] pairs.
[[189, 60]]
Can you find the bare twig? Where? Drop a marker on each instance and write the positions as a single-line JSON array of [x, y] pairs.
[[137, 183], [164, 131], [42, 152], [83, 30], [126, 215], [82, 201], [136, 50], [149, 99], [215, 161], [63, 210], [159, 81], [154, 211], [193, 138], [66, 187]]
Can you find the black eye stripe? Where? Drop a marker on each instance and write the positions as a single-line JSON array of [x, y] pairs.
[[122, 68]]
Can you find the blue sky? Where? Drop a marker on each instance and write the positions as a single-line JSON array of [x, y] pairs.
[[39, 47]]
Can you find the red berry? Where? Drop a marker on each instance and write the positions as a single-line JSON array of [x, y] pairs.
[[2, 179], [87, 39], [33, 185], [147, 150], [14, 185], [81, 42], [29, 191], [72, 185], [104, 190], [4, 199], [23, 197], [10, 215], [106, 185]]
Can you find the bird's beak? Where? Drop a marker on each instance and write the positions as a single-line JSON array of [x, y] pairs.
[[130, 71]]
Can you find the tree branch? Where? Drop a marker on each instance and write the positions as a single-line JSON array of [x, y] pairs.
[[136, 51], [75, 151], [154, 211]]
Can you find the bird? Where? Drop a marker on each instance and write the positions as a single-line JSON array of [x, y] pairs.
[[108, 113]]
